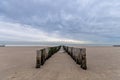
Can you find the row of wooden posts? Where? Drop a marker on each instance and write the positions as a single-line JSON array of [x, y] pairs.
[[45, 54], [78, 55]]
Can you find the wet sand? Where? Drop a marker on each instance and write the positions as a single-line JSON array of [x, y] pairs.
[[18, 63]]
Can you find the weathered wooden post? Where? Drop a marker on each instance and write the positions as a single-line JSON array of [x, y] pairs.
[[50, 52], [83, 62], [79, 57], [75, 54], [38, 59], [42, 57], [71, 52], [47, 51]]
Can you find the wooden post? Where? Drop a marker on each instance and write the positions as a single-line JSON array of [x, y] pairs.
[[38, 59], [44, 52], [71, 52], [79, 56], [42, 57], [75, 55], [77, 52], [83, 62], [47, 51]]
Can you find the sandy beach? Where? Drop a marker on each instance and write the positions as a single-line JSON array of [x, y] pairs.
[[18, 63]]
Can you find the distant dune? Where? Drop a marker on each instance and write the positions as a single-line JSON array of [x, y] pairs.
[[2, 45], [116, 45]]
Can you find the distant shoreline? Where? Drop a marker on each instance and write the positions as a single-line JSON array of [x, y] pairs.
[[25, 43], [58, 45]]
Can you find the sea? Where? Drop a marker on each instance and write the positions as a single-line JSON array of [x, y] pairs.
[[39, 43]]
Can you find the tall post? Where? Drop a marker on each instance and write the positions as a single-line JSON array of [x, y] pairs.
[[38, 59], [79, 56], [84, 61], [42, 57]]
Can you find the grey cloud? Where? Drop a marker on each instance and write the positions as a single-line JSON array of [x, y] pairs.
[[90, 20]]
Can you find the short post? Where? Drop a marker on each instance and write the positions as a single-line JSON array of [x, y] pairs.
[[38, 59]]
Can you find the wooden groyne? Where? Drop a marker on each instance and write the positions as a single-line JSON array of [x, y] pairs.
[[78, 55], [45, 54]]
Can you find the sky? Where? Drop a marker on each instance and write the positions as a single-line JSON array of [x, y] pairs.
[[74, 21]]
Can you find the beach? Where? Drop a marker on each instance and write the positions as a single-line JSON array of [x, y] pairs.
[[18, 63]]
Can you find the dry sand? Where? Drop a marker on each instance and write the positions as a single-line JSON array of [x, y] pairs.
[[18, 63]]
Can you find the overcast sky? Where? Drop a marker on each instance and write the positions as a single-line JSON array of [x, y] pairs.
[[82, 21]]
